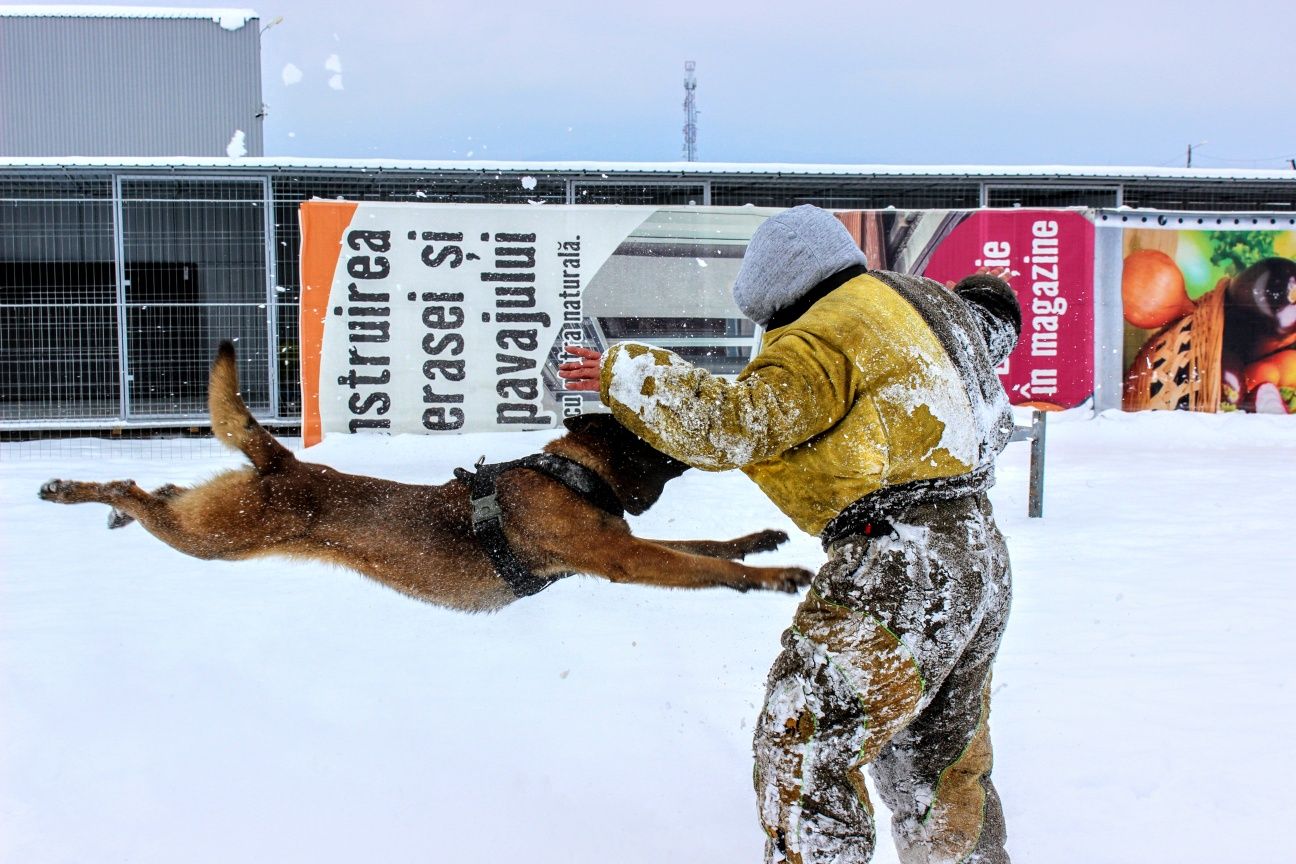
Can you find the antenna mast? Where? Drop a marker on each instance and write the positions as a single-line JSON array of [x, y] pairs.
[[690, 112]]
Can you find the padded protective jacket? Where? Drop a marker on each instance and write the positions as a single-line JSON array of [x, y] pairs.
[[885, 379]]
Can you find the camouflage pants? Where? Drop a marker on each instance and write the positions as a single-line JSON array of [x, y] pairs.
[[887, 664]]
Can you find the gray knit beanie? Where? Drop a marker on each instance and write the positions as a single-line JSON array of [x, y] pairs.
[[790, 253]]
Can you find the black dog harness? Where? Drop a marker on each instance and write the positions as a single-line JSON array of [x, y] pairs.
[[870, 516], [488, 518]]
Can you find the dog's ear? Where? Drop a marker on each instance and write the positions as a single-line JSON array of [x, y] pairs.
[[583, 422]]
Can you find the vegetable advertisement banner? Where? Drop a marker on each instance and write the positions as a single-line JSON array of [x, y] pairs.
[[452, 317], [1210, 320]]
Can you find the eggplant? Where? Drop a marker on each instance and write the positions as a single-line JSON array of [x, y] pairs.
[[1266, 292]]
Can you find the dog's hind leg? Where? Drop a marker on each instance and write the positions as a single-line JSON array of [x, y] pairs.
[[129, 501], [736, 549], [120, 518], [118, 493], [153, 512]]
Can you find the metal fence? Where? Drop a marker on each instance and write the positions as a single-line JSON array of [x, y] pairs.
[[58, 306], [116, 290], [116, 286], [193, 259]]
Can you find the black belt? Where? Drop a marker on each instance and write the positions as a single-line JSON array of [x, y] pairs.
[[870, 516], [488, 518]]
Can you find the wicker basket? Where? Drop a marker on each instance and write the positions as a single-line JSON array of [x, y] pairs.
[[1179, 367]]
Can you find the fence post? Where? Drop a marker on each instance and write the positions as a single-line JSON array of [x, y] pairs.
[[119, 267], [1035, 507], [272, 297]]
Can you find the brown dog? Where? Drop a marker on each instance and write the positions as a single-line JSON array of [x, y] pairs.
[[419, 539]]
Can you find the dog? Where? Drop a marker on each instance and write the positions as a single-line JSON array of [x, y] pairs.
[[427, 541]]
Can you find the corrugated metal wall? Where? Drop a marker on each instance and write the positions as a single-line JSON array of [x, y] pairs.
[[128, 87]]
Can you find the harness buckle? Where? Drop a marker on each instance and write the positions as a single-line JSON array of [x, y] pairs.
[[486, 508]]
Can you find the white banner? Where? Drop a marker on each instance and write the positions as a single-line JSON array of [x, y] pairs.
[[441, 318]]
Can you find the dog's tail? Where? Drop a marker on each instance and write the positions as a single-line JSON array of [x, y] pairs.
[[231, 421]]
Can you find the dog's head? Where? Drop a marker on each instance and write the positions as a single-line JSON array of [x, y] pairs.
[[635, 471]]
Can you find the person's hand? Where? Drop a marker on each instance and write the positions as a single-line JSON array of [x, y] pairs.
[[583, 373], [997, 272]]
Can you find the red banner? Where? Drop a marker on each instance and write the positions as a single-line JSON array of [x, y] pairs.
[[1051, 254]]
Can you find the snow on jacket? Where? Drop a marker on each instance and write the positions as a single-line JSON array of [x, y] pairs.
[[856, 394]]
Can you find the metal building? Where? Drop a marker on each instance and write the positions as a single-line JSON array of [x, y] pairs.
[[129, 81]]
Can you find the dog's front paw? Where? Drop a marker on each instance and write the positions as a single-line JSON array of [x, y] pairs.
[[763, 541], [55, 490], [785, 579], [795, 579]]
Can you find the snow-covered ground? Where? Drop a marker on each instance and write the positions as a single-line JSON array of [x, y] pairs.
[[157, 708]]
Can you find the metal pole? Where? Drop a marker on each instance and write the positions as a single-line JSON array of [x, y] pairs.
[[272, 299], [1108, 318], [1035, 507], [690, 112], [119, 254]]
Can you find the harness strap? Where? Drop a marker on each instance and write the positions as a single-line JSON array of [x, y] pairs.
[[488, 517], [871, 515], [576, 477]]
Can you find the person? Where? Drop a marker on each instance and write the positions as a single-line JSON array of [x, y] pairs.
[[872, 417]]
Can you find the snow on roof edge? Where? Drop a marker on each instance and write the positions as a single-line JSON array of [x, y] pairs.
[[228, 19], [1061, 172]]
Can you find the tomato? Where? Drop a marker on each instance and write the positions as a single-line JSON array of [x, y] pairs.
[[1286, 368], [1277, 369]]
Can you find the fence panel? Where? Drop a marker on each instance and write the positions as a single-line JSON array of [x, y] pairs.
[[193, 262], [58, 310]]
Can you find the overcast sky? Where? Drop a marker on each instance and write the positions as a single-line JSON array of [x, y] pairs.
[[1093, 82]]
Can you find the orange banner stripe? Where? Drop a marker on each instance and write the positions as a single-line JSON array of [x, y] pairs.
[[322, 225]]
